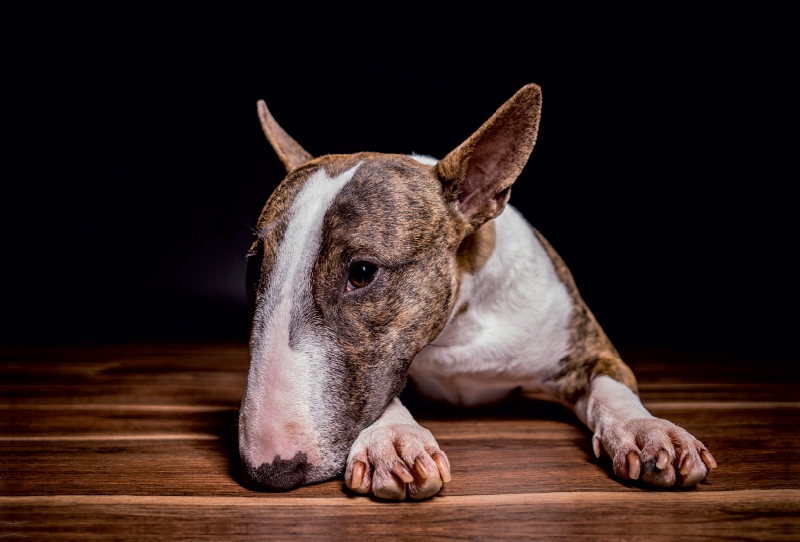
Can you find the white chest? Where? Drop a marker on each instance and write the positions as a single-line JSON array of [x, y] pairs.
[[514, 331]]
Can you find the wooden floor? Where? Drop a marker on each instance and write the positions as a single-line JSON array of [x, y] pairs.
[[137, 442]]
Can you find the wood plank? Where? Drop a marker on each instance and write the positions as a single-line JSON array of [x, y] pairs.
[[140, 441], [537, 422], [769, 459], [732, 515], [216, 374], [115, 420], [153, 375]]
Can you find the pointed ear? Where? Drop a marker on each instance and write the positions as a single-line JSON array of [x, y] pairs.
[[288, 150], [477, 176]]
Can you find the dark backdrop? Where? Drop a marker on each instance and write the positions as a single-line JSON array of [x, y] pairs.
[[137, 168]]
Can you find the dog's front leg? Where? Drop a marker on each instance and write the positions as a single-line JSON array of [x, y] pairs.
[[395, 457], [641, 446]]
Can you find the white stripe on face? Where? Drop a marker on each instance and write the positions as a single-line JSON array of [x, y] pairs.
[[275, 419]]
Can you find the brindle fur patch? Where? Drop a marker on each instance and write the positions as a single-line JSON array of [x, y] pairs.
[[591, 353], [391, 214], [475, 250]]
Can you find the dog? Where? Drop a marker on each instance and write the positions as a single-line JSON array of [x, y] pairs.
[[368, 269]]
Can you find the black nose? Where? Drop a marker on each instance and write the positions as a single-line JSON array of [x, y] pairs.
[[280, 475]]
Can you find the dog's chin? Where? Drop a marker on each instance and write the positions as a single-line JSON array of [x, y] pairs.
[[285, 474]]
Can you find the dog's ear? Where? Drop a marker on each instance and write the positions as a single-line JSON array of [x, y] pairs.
[[477, 176], [288, 150]]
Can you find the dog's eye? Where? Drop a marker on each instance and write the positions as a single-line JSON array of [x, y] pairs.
[[361, 274]]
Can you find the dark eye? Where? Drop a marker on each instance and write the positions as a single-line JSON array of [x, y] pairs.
[[361, 274]]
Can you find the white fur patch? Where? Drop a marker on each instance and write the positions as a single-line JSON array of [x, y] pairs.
[[514, 331], [610, 402], [282, 383], [424, 159], [396, 438]]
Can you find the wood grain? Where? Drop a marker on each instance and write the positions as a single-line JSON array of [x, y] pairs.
[[139, 442], [759, 515]]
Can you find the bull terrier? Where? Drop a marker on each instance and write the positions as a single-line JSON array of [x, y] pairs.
[[368, 269]]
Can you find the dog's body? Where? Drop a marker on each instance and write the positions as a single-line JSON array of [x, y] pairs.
[[369, 268]]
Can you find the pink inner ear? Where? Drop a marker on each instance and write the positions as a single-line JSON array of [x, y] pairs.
[[487, 174]]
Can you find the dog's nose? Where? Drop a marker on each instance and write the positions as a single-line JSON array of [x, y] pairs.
[[280, 475]]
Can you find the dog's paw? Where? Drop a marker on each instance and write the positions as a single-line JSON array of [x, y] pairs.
[[397, 460], [655, 451]]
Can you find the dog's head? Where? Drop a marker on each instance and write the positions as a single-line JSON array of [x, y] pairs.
[[355, 268]]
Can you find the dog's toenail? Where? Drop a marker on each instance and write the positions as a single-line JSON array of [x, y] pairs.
[[423, 469], [444, 470], [663, 459], [708, 459], [688, 463], [634, 465], [403, 473], [358, 475], [596, 446]]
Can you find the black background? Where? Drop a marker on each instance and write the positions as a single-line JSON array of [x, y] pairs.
[[136, 166]]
